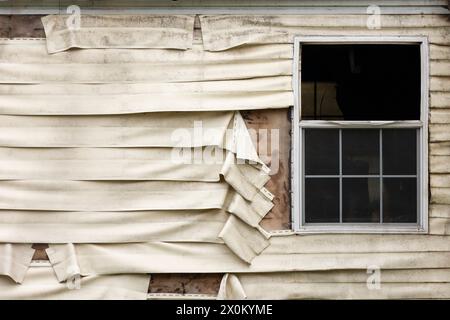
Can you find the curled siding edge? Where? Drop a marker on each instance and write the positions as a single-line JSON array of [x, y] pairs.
[[15, 260]]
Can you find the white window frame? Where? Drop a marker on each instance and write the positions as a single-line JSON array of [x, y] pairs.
[[297, 212]]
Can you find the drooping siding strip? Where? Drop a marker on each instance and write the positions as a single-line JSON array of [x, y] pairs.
[[162, 257], [223, 32], [89, 140], [136, 81], [15, 260], [41, 283], [110, 31]]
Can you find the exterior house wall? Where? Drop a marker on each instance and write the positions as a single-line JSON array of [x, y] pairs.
[[436, 28], [30, 26], [332, 266]]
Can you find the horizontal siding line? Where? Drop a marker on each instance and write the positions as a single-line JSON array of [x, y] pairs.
[[313, 10], [232, 3]]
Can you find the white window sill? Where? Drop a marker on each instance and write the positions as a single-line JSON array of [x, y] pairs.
[[396, 228]]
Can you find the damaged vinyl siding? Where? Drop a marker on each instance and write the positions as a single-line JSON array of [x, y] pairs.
[[259, 57]]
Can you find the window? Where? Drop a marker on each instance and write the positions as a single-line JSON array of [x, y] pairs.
[[360, 133]]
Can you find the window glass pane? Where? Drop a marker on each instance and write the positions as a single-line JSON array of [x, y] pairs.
[[399, 200], [361, 200], [321, 151], [360, 151], [360, 81], [399, 151], [321, 200], [319, 101]]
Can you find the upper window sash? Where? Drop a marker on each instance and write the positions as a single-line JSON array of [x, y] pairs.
[[297, 125], [359, 124]]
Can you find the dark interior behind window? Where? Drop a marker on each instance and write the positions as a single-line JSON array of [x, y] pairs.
[[360, 82]]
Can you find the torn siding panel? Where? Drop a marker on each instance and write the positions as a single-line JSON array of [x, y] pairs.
[[111, 196], [130, 226], [299, 21], [105, 227], [235, 233], [261, 79], [146, 130], [130, 66], [313, 252], [125, 104], [29, 52], [157, 130], [127, 196], [231, 288], [254, 29], [132, 164], [168, 130], [138, 72], [15, 260], [41, 283], [247, 180], [159, 257], [64, 262], [110, 31]]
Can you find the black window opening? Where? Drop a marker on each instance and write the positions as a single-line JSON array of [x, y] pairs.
[[360, 82], [368, 174]]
